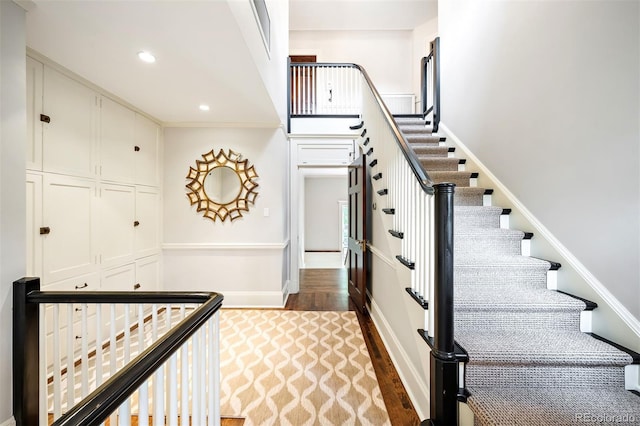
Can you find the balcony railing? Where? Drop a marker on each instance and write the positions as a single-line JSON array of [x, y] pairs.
[[84, 357]]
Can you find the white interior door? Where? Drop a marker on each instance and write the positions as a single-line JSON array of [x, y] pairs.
[[69, 248], [117, 224], [68, 141], [117, 124]]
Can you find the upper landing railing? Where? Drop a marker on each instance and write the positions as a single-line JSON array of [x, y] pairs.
[[123, 356], [430, 83]]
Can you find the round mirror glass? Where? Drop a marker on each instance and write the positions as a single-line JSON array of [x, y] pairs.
[[222, 185]]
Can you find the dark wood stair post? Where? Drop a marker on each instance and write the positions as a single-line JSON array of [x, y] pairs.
[[26, 334], [443, 363]]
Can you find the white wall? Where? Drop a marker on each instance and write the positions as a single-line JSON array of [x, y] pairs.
[[270, 64], [546, 95], [13, 136], [235, 258], [322, 214], [385, 55]]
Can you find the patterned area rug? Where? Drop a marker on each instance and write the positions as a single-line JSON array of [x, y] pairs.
[[297, 368]]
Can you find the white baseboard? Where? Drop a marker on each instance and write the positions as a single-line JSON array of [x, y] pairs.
[[252, 299], [9, 422], [408, 374], [569, 260], [286, 291]]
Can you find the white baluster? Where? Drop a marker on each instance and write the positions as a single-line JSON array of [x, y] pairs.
[[214, 344], [57, 368], [99, 351], [172, 379], [184, 378], [71, 338], [432, 265], [202, 394], [124, 411], [43, 363], [113, 352], [196, 376], [158, 377], [84, 366], [143, 391]]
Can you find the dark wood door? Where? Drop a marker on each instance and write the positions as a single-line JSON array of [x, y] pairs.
[[357, 253]]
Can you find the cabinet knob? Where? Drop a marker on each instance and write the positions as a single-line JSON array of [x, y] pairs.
[[136, 223], [85, 285], [136, 286], [45, 118], [136, 148], [45, 230]]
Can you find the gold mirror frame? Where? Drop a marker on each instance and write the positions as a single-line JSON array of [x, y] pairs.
[[233, 209]]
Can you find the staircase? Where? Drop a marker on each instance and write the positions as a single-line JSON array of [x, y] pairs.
[[529, 358]]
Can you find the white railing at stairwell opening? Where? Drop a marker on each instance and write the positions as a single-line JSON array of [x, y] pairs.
[[126, 357], [329, 90], [322, 89]]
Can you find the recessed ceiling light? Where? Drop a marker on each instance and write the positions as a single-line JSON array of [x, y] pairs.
[[146, 57], [204, 107]]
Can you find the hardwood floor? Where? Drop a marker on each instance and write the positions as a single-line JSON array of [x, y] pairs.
[[326, 290]]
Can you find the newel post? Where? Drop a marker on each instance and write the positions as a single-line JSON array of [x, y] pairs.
[[443, 364], [26, 332]]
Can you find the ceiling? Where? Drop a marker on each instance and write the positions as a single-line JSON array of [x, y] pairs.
[[200, 50]]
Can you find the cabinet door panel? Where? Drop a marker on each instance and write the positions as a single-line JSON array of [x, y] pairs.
[[34, 222], [148, 273], [117, 215], [69, 248], [116, 142], [68, 142], [122, 278], [148, 215], [147, 158], [35, 72]]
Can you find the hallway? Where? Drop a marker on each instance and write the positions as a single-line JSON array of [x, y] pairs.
[[326, 290]]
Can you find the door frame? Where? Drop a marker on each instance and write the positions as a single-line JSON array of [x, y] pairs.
[[296, 197]]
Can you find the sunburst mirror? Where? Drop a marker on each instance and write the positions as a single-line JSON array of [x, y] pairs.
[[222, 185]]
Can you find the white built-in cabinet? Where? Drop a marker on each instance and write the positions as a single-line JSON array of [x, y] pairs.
[[93, 188]]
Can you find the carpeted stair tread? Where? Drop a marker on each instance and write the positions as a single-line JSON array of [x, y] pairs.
[[505, 272], [470, 260], [538, 347], [523, 299], [419, 138], [515, 307], [552, 406], [461, 179], [468, 196], [410, 120], [432, 150], [477, 216], [488, 240], [438, 163], [488, 232], [415, 128], [423, 147]]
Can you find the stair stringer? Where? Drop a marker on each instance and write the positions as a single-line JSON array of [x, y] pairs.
[[611, 320]]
